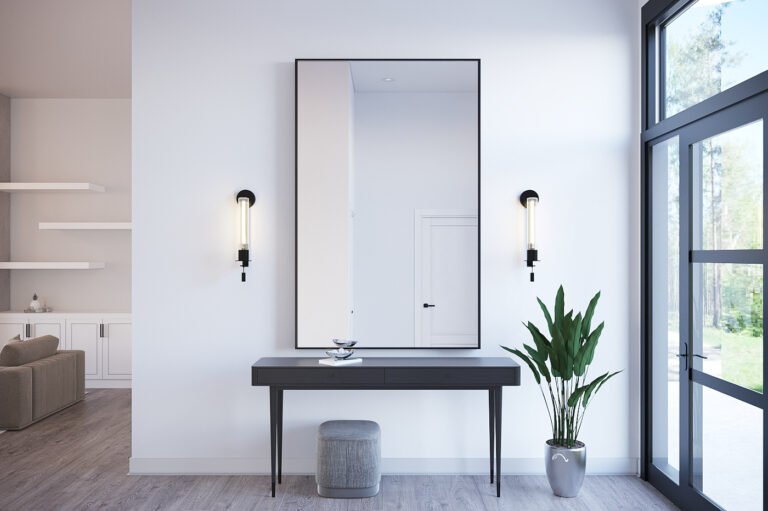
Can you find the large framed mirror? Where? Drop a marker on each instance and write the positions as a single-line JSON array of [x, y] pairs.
[[388, 202]]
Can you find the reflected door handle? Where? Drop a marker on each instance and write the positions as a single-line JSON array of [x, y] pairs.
[[428, 305], [700, 356]]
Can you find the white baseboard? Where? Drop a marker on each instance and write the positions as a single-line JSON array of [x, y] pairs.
[[401, 466], [107, 384]]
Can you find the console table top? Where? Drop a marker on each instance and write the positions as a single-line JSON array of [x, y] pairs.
[[394, 362]]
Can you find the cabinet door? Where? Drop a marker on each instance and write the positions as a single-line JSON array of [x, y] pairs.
[[117, 350], [10, 329], [54, 327], [83, 334]]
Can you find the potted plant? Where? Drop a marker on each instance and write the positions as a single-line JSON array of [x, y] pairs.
[[560, 364]]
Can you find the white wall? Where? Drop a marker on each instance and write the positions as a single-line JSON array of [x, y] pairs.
[[64, 140], [5, 200], [325, 99], [213, 113], [412, 151]]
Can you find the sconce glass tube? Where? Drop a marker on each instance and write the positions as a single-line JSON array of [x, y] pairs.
[[530, 204], [530, 200], [245, 222], [245, 199]]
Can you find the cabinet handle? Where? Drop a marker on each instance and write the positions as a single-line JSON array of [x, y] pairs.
[[101, 330], [28, 330]]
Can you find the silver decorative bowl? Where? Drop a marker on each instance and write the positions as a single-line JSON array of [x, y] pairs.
[[339, 354], [344, 343]]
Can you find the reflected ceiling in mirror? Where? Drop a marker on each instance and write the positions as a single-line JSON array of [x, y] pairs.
[[387, 203]]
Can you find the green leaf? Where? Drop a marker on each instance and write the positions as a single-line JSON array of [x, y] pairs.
[[559, 305], [590, 387], [547, 316], [574, 399], [542, 343], [587, 323], [566, 368], [575, 340], [586, 397], [525, 359], [592, 341], [559, 356], [586, 353], [540, 362]]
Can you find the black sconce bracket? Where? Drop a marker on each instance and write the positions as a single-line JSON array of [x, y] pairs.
[[247, 194], [531, 256], [528, 194]]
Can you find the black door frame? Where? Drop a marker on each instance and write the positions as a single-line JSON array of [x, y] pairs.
[[737, 106]]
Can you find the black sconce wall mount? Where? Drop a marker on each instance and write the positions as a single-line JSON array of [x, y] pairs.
[[530, 200], [245, 199]]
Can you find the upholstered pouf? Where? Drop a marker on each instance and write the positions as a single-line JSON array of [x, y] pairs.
[[348, 459]]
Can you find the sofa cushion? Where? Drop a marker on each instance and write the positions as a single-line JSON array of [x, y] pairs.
[[20, 353]]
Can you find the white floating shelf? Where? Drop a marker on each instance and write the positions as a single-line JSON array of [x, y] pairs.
[[50, 266], [85, 226], [50, 187]]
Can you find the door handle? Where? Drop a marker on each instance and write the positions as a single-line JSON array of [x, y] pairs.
[[101, 330], [28, 330], [684, 355], [428, 305]]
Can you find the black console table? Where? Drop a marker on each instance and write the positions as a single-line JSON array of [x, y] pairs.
[[404, 373]]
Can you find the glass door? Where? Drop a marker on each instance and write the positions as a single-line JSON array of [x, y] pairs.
[[706, 323]]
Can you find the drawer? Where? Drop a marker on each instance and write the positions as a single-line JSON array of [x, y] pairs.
[[452, 377], [320, 377]]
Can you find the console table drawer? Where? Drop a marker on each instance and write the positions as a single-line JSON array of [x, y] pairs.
[[452, 377], [321, 377]]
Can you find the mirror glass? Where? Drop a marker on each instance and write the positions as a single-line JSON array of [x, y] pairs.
[[387, 201]]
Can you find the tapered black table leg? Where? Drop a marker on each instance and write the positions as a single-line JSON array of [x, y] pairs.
[[273, 431], [497, 412], [491, 418], [279, 436]]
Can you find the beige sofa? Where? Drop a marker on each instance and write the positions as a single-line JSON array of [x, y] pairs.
[[37, 380]]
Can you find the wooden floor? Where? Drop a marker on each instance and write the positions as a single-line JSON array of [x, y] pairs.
[[78, 460]]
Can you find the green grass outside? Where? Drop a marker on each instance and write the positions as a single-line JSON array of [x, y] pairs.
[[742, 357]]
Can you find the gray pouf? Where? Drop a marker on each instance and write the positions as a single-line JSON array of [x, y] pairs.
[[348, 459]]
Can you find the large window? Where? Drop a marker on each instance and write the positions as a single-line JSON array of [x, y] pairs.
[[705, 94], [710, 46]]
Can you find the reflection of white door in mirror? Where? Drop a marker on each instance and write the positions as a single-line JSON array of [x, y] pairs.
[[445, 283]]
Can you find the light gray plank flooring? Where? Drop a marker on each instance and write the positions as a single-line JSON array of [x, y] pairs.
[[78, 460]]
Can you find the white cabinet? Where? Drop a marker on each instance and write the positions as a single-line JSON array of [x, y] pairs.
[[47, 326], [28, 326], [105, 339], [116, 348], [83, 334]]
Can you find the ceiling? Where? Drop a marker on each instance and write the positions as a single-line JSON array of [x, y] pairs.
[[414, 75], [65, 48]]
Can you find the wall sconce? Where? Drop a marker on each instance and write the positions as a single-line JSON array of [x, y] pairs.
[[245, 199], [530, 200]]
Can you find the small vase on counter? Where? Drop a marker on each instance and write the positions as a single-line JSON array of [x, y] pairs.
[[36, 305]]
